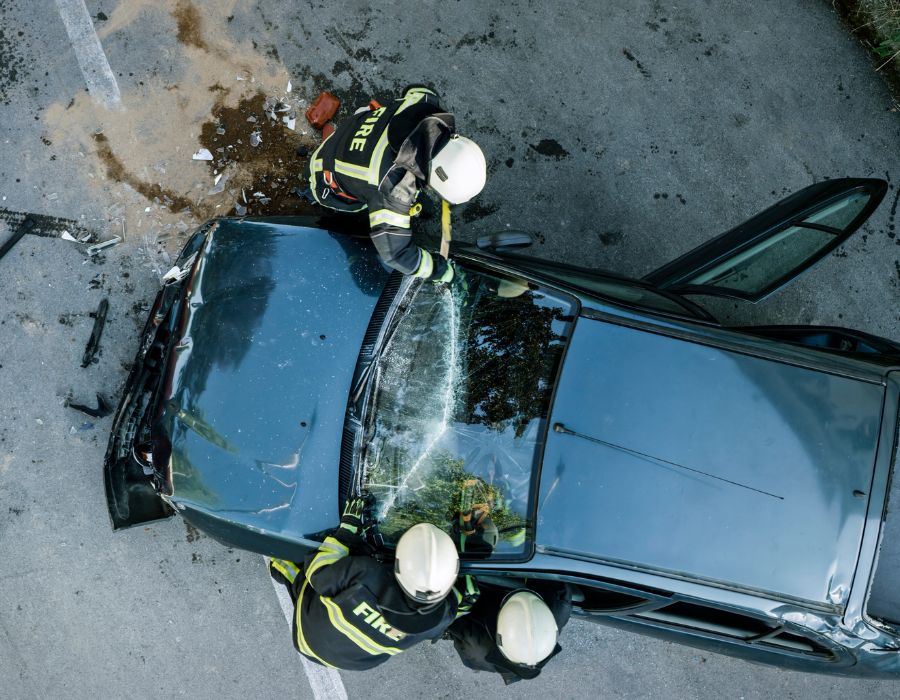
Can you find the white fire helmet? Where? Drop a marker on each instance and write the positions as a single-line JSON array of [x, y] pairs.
[[526, 629], [458, 171], [426, 563]]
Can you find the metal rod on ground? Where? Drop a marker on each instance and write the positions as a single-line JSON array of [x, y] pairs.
[[446, 232], [23, 228]]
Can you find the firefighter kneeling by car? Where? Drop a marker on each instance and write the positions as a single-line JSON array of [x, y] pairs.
[[353, 612]]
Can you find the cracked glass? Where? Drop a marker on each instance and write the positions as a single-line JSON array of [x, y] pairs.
[[457, 410]]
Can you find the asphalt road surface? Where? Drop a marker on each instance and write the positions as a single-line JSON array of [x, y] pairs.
[[621, 134]]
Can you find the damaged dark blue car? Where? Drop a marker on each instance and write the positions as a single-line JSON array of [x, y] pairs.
[[728, 488]]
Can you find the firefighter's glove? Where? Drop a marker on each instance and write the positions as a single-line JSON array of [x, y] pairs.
[[354, 515], [448, 274]]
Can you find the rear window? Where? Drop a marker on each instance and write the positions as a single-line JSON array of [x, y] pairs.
[[456, 412]]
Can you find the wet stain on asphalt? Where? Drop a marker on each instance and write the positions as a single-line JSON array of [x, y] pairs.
[[475, 211], [115, 170], [12, 65], [550, 148], [189, 25], [612, 237]]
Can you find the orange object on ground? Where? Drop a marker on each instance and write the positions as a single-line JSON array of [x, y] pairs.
[[324, 108], [374, 104], [327, 130]]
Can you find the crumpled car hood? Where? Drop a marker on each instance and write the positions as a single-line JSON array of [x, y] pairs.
[[258, 383]]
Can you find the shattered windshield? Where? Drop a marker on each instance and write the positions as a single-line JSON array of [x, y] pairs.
[[457, 409]]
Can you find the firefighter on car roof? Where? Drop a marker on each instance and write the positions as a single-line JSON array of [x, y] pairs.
[[354, 612], [382, 157]]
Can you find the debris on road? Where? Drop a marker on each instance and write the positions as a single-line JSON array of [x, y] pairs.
[[94, 249], [254, 145], [322, 109], [202, 154], [66, 236], [103, 408], [93, 344], [27, 224]]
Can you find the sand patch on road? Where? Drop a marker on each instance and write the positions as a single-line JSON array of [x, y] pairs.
[[140, 161]]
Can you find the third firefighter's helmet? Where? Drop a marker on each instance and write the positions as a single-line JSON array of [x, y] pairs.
[[426, 563], [526, 629], [458, 171]]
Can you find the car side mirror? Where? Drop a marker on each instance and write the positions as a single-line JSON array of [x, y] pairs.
[[502, 240]]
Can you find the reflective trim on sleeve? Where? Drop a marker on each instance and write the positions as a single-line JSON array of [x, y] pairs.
[[377, 157], [358, 172], [301, 640], [412, 97], [386, 216], [423, 90], [287, 569], [339, 622], [426, 265], [330, 552]]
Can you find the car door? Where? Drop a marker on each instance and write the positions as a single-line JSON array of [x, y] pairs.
[[758, 257]]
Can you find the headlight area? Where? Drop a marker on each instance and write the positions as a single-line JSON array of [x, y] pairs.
[[136, 467]]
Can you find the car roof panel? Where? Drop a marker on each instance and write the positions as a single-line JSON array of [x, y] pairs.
[[804, 436]]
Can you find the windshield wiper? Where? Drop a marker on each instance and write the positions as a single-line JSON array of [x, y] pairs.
[[393, 324]]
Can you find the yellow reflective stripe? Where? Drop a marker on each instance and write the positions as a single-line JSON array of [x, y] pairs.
[[411, 99], [288, 569], [426, 265], [352, 633], [377, 156], [301, 640], [330, 552], [423, 90], [386, 216], [360, 172]]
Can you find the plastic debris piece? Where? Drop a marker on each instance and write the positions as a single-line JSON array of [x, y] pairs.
[[323, 109], [251, 119], [218, 177], [93, 344], [220, 131], [103, 408], [255, 139], [240, 209], [202, 154], [289, 122], [289, 87], [94, 249], [178, 273], [66, 236]]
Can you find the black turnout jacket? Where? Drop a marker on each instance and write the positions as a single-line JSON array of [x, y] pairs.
[[351, 613], [474, 635], [379, 160]]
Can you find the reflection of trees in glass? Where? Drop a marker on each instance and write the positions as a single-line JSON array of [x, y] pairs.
[[512, 352], [437, 498], [236, 285]]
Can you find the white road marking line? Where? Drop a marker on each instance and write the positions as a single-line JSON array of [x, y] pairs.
[[101, 83], [325, 682]]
